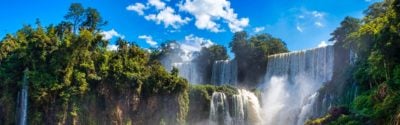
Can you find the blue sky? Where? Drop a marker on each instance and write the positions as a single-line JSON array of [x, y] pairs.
[[300, 23]]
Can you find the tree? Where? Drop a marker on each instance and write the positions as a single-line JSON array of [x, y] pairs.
[[93, 19], [239, 43], [75, 15], [89, 18], [66, 68], [252, 54], [347, 26], [206, 58]]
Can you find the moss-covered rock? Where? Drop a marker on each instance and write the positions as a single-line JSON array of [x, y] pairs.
[[200, 98]]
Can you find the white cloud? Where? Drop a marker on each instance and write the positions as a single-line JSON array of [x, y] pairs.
[[319, 24], [199, 41], [107, 35], [322, 44], [157, 3], [192, 44], [168, 17], [137, 7], [299, 28], [112, 47], [317, 14], [208, 12], [258, 29], [309, 18], [149, 40], [163, 13]]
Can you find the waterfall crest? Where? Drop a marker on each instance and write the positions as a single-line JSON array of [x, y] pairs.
[[291, 84], [189, 71], [224, 72]]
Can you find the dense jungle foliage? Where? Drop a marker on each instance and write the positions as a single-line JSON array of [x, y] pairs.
[[376, 40]]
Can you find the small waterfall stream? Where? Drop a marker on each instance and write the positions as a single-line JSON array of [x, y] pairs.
[[23, 101]]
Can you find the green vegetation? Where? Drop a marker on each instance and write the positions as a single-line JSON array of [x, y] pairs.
[[69, 63], [200, 98], [376, 41], [252, 55], [74, 79], [206, 58]]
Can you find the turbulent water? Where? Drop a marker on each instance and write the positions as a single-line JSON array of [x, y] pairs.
[[292, 81], [242, 109], [219, 110], [23, 102], [224, 72]]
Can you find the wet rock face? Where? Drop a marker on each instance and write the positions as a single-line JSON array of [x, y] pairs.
[[398, 119], [382, 92], [338, 111], [199, 107], [152, 110], [109, 106]]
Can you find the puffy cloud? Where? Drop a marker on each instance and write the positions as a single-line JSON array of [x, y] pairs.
[[196, 42], [164, 14], [149, 40], [107, 35], [322, 44], [157, 3], [258, 29], [192, 44], [137, 7], [168, 17], [208, 12]]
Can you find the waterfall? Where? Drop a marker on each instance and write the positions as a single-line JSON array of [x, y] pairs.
[[23, 101], [291, 84], [245, 109], [188, 70], [219, 110], [224, 72]]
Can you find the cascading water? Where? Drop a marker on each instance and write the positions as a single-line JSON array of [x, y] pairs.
[[292, 81], [224, 72], [245, 109], [188, 70], [23, 102], [219, 110]]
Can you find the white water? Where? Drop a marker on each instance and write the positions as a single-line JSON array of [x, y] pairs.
[[245, 109], [23, 101], [292, 81], [181, 55], [224, 72], [188, 70], [219, 110]]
